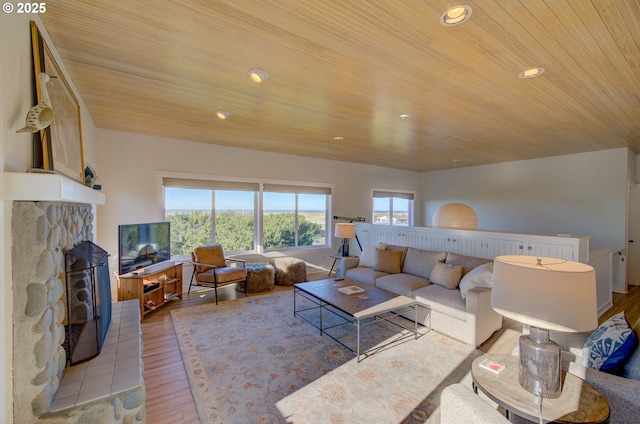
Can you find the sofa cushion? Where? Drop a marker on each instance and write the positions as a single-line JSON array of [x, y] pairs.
[[222, 275], [368, 255], [611, 344], [364, 275], [443, 300], [421, 262], [388, 261], [446, 275], [480, 276], [394, 248], [467, 262], [402, 284]]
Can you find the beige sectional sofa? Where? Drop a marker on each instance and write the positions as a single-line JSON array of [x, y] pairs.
[[453, 290]]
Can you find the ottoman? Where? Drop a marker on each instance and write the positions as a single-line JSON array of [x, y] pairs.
[[290, 271], [260, 278]]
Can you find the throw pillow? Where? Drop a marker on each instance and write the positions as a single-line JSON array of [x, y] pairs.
[[395, 248], [368, 256], [446, 275], [388, 261], [467, 262], [609, 347], [480, 276]]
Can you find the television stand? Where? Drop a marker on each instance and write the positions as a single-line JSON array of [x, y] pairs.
[[153, 288], [151, 268]]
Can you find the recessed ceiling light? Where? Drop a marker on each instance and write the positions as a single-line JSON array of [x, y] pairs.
[[222, 114], [257, 75], [405, 116], [338, 138], [530, 73], [455, 15]]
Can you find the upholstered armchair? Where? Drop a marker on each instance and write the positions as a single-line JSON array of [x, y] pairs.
[[212, 269]]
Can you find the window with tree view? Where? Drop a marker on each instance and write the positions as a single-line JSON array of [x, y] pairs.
[[293, 219], [229, 214], [392, 208]]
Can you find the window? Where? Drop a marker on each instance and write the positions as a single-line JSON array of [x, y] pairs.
[[202, 212], [294, 216], [234, 222], [392, 208], [189, 212]]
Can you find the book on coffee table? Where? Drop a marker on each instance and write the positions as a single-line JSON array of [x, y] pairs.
[[351, 290]]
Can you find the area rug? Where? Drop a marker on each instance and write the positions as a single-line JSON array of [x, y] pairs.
[[251, 360]]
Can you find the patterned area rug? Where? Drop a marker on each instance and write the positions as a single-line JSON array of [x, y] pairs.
[[251, 360]]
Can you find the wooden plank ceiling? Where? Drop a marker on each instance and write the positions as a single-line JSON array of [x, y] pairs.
[[350, 68]]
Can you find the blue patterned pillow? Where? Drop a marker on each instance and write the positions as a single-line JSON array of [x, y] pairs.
[[610, 345]]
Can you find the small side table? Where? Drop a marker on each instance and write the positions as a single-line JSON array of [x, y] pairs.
[[578, 403]]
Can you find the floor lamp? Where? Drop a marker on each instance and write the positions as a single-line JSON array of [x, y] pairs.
[[346, 231], [548, 294]]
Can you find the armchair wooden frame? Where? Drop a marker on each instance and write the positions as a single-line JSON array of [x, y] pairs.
[[200, 268]]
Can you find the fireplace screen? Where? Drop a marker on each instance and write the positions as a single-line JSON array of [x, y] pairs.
[[88, 301]]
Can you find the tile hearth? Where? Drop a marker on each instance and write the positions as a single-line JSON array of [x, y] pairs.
[[117, 369]]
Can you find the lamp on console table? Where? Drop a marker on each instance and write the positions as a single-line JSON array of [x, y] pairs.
[[548, 294], [346, 231]]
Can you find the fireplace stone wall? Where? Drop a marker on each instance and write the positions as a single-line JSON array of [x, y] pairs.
[[41, 234]]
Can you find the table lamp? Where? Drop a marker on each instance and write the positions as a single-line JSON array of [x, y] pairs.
[[346, 231], [548, 294]]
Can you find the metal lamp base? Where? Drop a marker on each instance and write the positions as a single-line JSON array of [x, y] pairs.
[[345, 247], [540, 364]]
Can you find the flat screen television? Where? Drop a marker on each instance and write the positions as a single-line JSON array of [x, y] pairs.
[[142, 245]]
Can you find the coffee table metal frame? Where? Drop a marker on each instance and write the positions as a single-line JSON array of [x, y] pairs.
[[374, 312]]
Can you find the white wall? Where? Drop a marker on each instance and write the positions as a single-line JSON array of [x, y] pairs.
[[16, 96], [581, 194], [129, 164], [15, 77]]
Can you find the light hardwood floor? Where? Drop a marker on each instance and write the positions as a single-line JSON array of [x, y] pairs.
[[169, 398]]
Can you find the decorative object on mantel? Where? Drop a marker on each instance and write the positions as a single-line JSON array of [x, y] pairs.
[[548, 294], [455, 215], [59, 145], [39, 116], [90, 178]]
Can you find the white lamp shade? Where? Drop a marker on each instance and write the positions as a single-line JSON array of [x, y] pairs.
[[456, 215], [345, 230], [550, 293]]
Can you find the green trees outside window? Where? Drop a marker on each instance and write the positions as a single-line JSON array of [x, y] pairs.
[[299, 220], [280, 231], [234, 231]]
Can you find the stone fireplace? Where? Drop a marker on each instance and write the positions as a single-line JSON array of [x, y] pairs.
[[42, 232]]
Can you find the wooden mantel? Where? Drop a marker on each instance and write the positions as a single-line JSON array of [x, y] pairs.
[[47, 187]]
